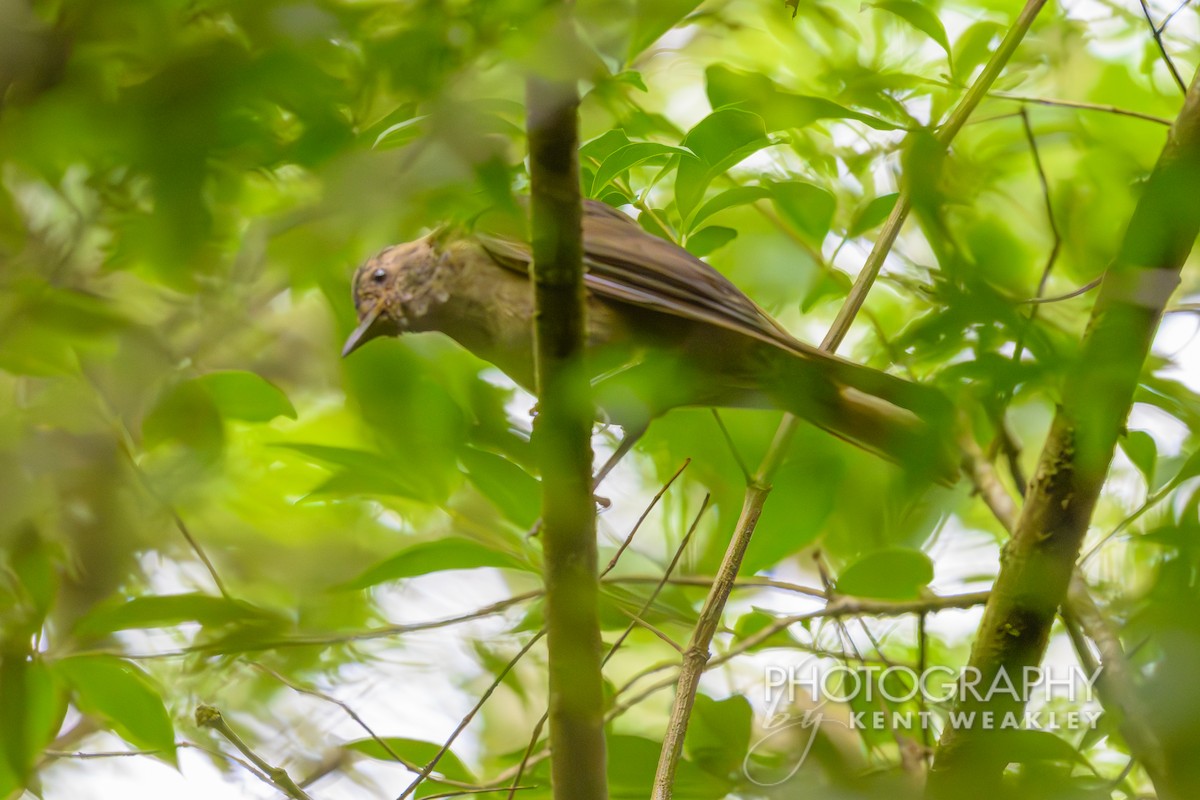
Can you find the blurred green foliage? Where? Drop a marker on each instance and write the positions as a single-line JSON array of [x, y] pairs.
[[185, 188]]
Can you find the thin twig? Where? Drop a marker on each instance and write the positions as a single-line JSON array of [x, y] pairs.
[[526, 758], [1162, 26], [660, 581], [466, 720], [126, 447], [410, 765], [752, 582], [210, 717], [1105, 109], [1156, 32], [737, 457], [316, 641], [666, 576], [645, 513], [1058, 298]]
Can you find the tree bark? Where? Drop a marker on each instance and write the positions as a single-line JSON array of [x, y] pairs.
[[1037, 563], [562, 441]]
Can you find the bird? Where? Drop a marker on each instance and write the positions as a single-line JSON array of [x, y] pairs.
[[664, 330]]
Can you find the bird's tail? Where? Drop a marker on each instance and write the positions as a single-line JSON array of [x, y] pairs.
[[910, 424]]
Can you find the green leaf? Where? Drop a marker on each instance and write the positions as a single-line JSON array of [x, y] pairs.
[[719, 734], [1190, 469], [738, 196], [723, 136], [29, 559], [120, 693], [399, 134], [186, 414], [653, 18], [366, 474], [891, 574], [1142, 450], [246, 396], [435, 556], [631, 77], [706, 240], [872, 214], [974, 47], [650, 224], [414, 751], [631, 766], [161, 611], [627, 157], [778, 108], [513, 490], [920, 17], [830, 283], [1023, 746], [603, 146], [719, 141], [808, 208], [30, 714]]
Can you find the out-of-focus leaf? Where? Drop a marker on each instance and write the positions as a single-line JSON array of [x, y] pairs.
[[778, 108], [399, 134], [435, 556], [1024, 746], [160, 611], [808, 208], [973, 47], [808, 485], [872, 214], [186, 414], [1190, 468], [749, 624], [120, 693], [633, 78], [892, 574], [1141, 449], [920, 17], [630, 156], [414, 751], [653, 18], [718, 736], [706, 240], [650, 223], [30, 561], [738, 196], [830, 283], [364, 474], [513, 490], [246, 396], [30, 714], [631, 766]]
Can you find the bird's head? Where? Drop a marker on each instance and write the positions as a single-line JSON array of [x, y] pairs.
[[395, 289]]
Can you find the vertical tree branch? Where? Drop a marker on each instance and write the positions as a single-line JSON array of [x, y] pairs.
[[562, 441], [1037, 563]]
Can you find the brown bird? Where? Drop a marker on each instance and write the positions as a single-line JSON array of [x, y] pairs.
[[664, 330]]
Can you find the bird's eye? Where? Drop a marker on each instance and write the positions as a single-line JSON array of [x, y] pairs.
[[379, 275]]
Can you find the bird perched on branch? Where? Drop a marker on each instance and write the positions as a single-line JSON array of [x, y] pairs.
[[664, 330]]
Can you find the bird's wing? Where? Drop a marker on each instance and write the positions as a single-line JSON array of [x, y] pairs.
[[628, 265]]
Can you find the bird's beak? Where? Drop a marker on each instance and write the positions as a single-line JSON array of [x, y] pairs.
[[362, 334]]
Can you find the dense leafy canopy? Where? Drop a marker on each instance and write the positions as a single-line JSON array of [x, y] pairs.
[[200, 502]]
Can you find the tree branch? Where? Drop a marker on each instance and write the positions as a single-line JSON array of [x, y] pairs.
[[1038, 562], [562, 439]]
